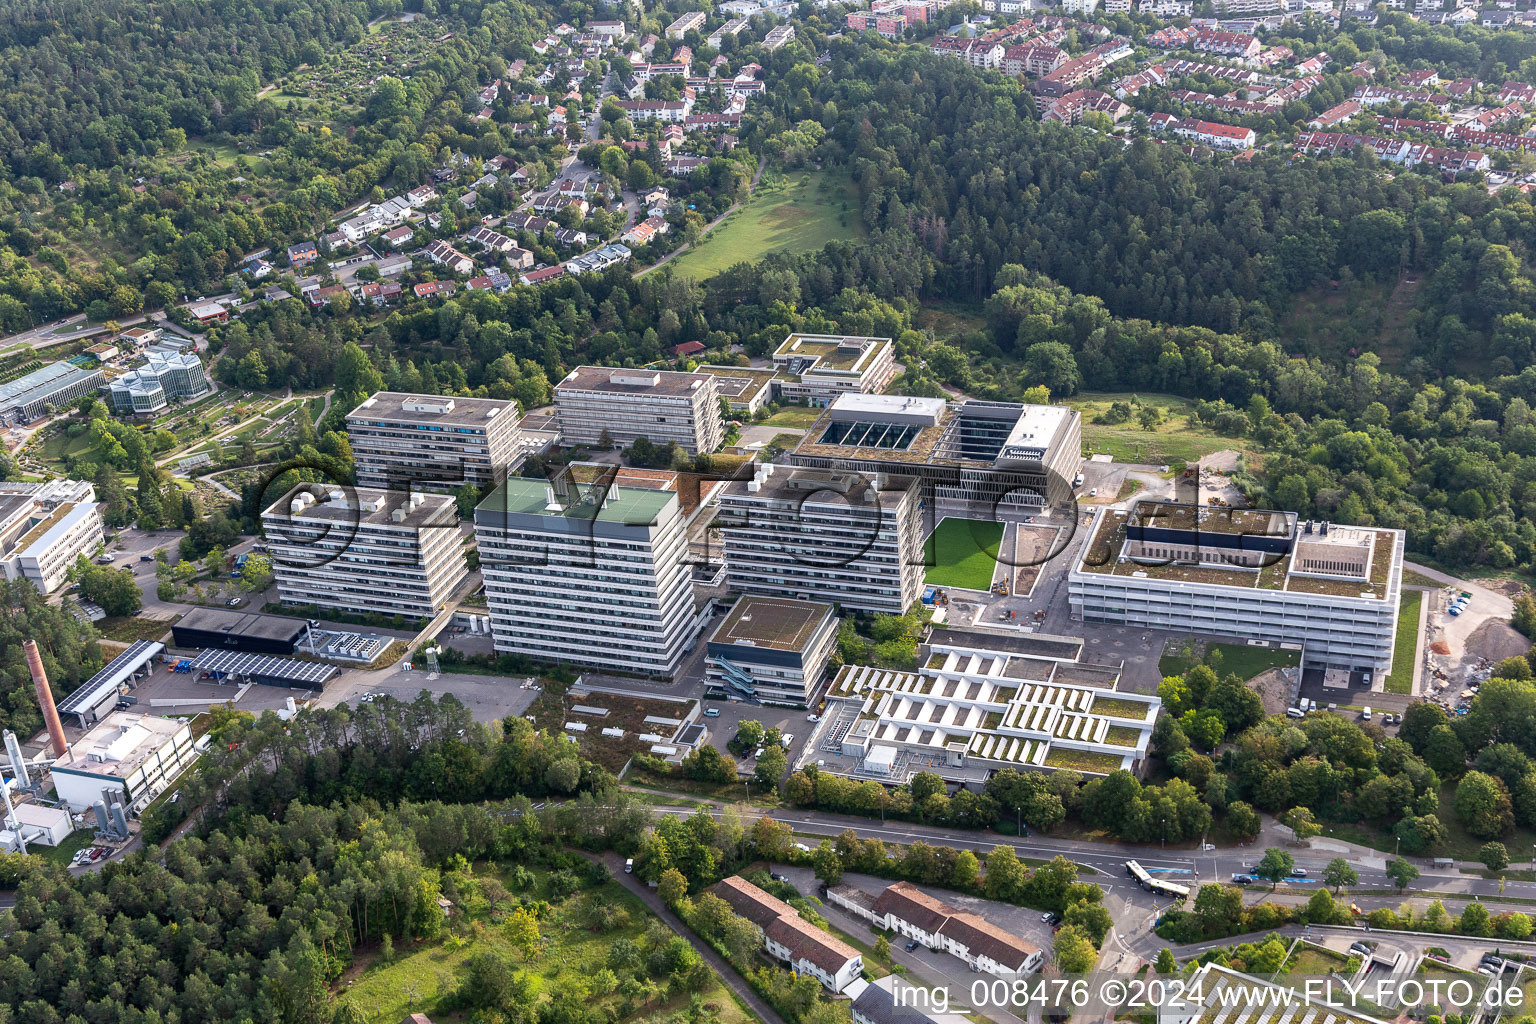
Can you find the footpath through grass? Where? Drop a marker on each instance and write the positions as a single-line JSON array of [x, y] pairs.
[[963, 553], [795, 212]]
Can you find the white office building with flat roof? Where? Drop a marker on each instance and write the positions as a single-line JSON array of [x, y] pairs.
[[590, 573], [1330, 591], [974, 459], [164, 377], [366, 551], [135, 755], [814, 369], [401, 441], [842, 538], [598, 403], [45, 527]]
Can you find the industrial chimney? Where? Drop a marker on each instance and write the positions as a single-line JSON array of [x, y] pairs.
[[45, 698]]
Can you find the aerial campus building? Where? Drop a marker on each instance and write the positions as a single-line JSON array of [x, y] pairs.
[[772, 650], [662, 406], [815, 535], [971, 458], [590, 569], [401, 441], [979, 703], [45, 527], [814, 369], [163, 377], [49, 387], [137, 756], [1332, 591], [367, 552]]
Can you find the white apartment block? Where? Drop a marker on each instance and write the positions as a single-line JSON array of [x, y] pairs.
[[658, 405], [982, 702], [45, 527], [813, 369], [773, 650], [685, 23], [593, 574], [401, 441], [1227, 8], [365, 552], [1331, 591], [844, 538]]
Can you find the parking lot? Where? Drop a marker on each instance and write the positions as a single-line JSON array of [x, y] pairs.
[[722, 730]]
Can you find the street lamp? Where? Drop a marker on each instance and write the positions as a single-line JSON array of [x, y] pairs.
[[1165, 833]]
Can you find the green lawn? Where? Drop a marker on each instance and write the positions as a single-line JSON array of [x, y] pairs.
[[127, 629], [963, 553], [1175, 439], [1238, 659], [795, 416], [799, 212], [1405, 649], [62, 854]]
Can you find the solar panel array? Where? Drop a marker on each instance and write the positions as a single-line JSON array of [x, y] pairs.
[[112, 674], [246, 665]]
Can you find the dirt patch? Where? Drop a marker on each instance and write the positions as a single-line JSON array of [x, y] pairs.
[[1220, 462], [1033, 546], [1274, 688], [1508, 587], [1496, 641]]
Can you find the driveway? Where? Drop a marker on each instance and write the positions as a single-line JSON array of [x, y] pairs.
[[727, 973]]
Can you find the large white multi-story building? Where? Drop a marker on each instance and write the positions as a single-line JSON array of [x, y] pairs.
[[1332, 591], [816, 368], [600, 402], [981, 702], [843, 538], [588, 572], [45, 527], [972, 458], [366, 551], [401, 441]]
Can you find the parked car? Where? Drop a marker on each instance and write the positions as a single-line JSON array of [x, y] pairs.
[[233, 602], [1243, 879], [711, 712], [1300, 872], [146, 558], [813, 718], [912, 945]]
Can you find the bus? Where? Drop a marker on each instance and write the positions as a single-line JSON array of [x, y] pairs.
[[1154, 885]]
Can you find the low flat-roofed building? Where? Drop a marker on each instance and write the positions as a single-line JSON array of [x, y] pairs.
[[812, 535], [982, 702], [772, 649], [745, 389], [405, 441], [813, 369], [619, 405], [789, 937], [98, 694], [48, 387], [227, 629], [365, 551], [1331, 591], [48, 826], [137, 755], [972, 458]]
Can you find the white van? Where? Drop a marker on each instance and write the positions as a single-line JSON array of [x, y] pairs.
[[629, 866], [1295, 713], [787, 739], [1365, 714]]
